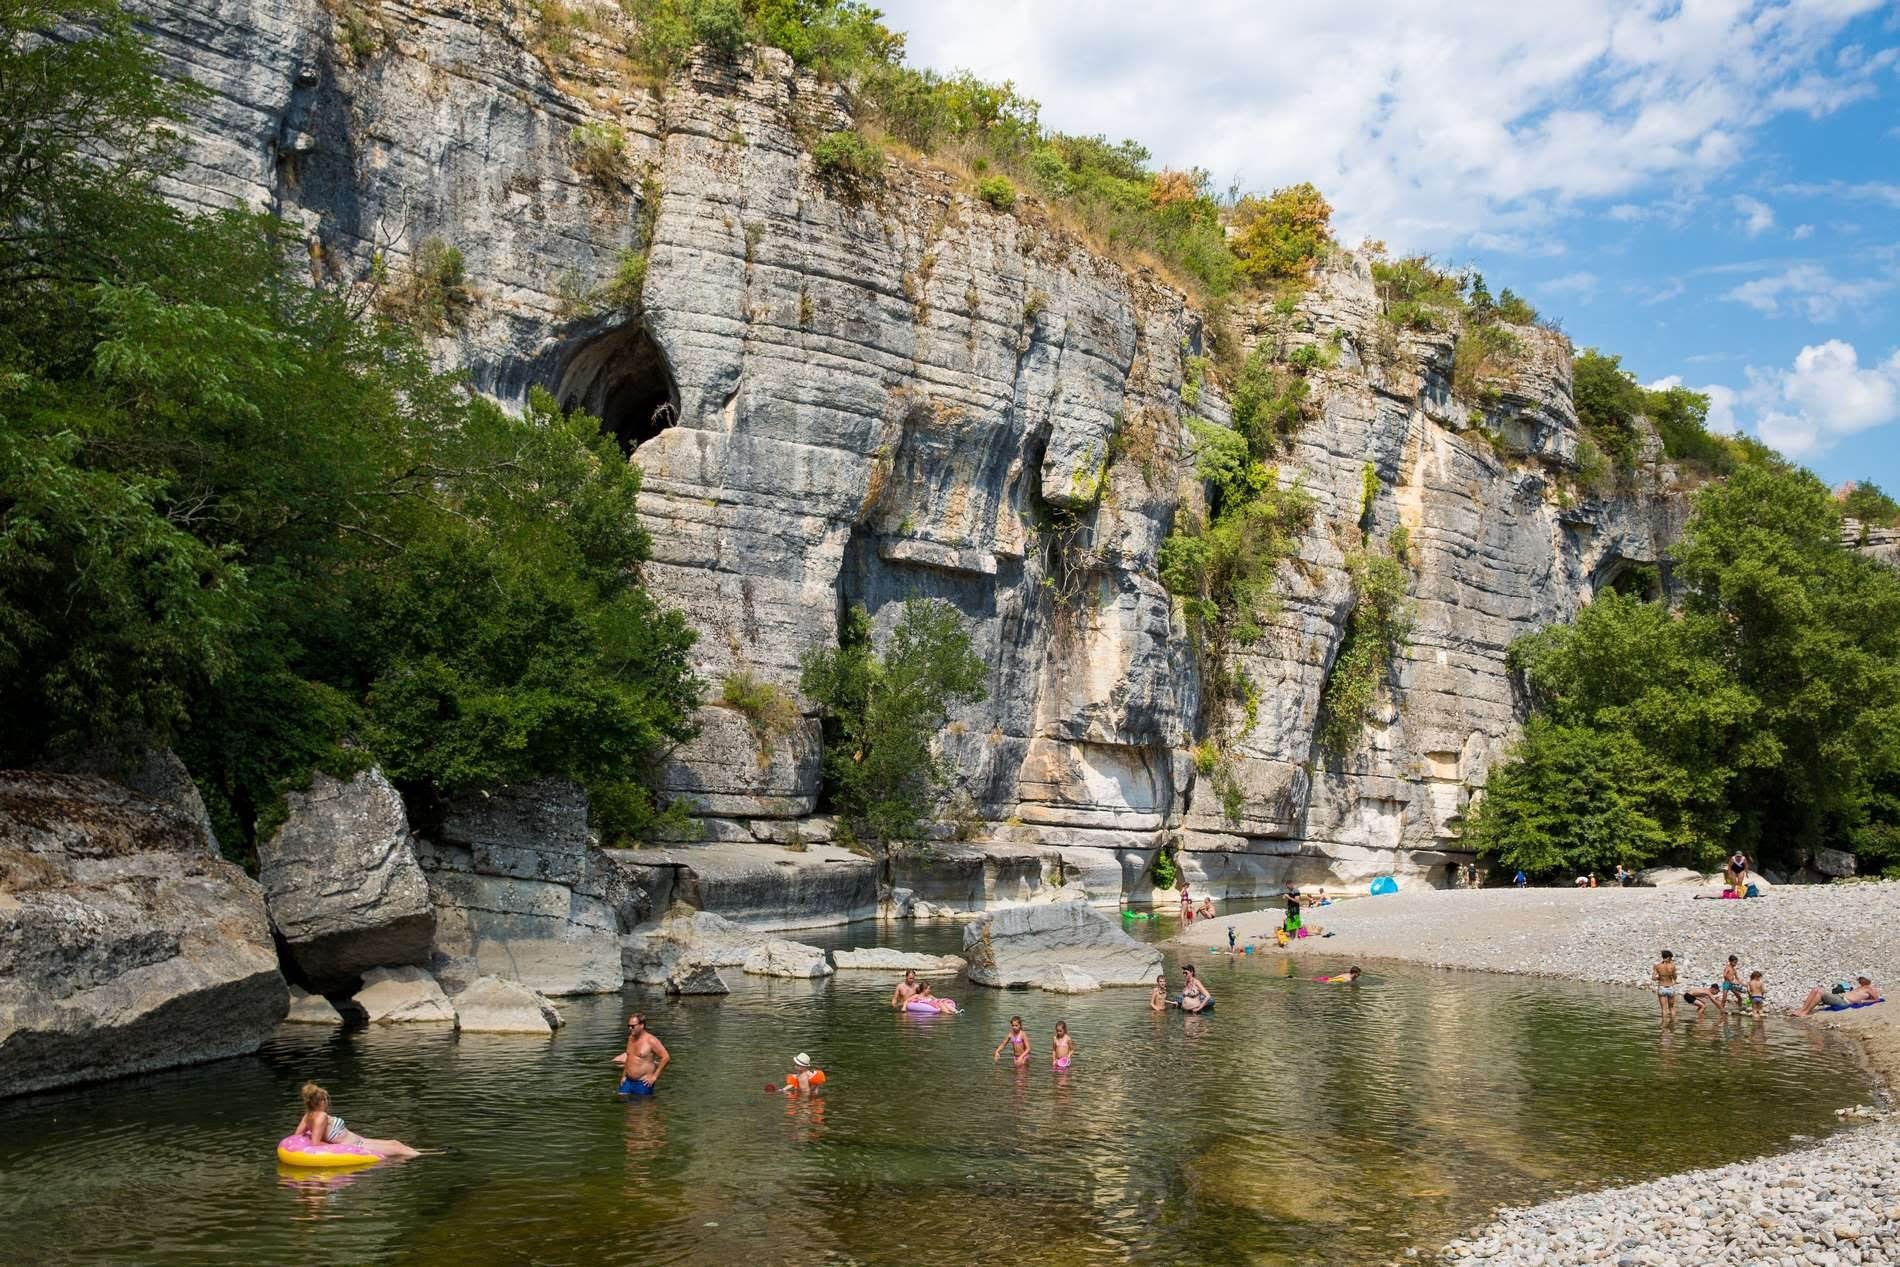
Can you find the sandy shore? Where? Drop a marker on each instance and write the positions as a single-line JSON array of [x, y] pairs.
[[1834, 1204]]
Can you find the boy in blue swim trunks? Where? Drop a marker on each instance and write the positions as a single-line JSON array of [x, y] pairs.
[[641, 1063]]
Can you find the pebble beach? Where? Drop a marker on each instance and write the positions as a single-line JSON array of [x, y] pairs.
[[1837, 1202]]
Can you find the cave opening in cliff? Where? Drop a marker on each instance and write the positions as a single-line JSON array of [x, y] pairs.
[[1631, 579], [622, 378]]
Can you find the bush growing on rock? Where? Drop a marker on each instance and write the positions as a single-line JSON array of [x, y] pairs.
[[600, 150], [1280, 237], [882, 714], [997, 191], [848, 159]]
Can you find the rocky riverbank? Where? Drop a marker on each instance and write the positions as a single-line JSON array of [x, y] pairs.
[[1835, 1204]]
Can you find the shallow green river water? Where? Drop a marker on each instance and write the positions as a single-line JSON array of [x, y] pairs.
[[1300, 1123]]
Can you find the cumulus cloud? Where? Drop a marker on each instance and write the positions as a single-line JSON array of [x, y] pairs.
[[1825, 395], [1807, 290], [1802, 232], [1757, 216], [1427, 122], [1581, 284]]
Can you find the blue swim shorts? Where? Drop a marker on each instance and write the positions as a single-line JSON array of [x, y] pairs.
[[635, 1086]]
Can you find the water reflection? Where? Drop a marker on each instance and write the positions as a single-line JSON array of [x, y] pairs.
[[1301, 1122]]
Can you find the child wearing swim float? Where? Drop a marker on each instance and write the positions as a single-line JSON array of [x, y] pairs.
[[320, 1126], [1063, 1050], [1017, 1041], [803, 1079]]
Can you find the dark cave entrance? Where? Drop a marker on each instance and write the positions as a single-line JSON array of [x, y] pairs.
[[623, 379], [1632, 579]]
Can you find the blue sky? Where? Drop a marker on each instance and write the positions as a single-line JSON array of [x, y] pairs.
[[1708, 188]]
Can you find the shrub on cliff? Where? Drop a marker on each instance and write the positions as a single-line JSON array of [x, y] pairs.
[[1280, 237], [882, 714], [848, 160]]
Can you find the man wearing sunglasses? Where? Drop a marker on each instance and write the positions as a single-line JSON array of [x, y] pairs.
[[641, 1063]]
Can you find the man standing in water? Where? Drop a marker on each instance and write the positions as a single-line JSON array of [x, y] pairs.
[[1664, 974], [641, 1063], [905, 991]]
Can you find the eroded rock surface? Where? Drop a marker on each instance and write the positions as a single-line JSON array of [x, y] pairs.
[[884, 959], [1049, 945], [342, 882], [491, 1005], [403, 996], [125, 945]]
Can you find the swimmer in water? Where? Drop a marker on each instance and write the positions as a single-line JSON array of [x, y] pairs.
[[641, 1062], [1348, 977], [1158, 997], [905, 990], [1194, 995], [799, 1082], [321, 1126], [1064, 1049], [1015, 1040]]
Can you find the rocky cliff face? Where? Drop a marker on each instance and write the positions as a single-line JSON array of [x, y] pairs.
[[843, 399]]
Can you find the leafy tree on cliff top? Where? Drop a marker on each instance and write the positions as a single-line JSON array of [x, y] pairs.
[[238, 517], [882, 713]]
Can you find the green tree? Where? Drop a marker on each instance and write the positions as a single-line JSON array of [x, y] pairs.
[[1867, 502], [882, 714], [1608, 401]]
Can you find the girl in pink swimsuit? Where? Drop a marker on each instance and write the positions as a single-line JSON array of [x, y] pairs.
[[1016, 1041], [1064, 1050]]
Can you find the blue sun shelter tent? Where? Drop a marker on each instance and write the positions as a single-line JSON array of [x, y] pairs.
[[1384, 884]]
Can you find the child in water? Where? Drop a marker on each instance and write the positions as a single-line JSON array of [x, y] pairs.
[[803, 1077], [1757, 993], [1017, 1041], [321, 1126], [1064, 1049]]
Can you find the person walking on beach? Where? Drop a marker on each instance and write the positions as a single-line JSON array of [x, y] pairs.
[[1664, 975], [1187, 905], [1519, 880], [641, 1063], [905, 990]]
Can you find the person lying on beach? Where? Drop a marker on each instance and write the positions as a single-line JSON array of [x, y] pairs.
[[1837, 999], [1063, 1050], [1664, 975], [321, 1126], [1703, 997], [641, 1062], [1194, 995], [1757, 993], [1016, 1041], [905, 989], [1158, 997]]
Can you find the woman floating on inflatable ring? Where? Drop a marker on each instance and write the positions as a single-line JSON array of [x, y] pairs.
[[803, 1080], [321, 1138], [925, 1001]]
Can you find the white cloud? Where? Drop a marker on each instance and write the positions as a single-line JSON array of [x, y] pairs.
[[1807, 289], [1515, 244], [1824, 396], [1757, 216], [1802, 232], [1424, 123], [1581, 284], [1865, 191], [1721, 419]]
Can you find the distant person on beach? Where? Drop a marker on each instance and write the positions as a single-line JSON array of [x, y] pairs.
[[1732, 979], [1233, 940], [1292, 922], [1703, 996], [1063, 1050], [1583, 881], [641, 1063], [1158, 997], [1194, 995], [1187, 905], [1757, 993], [1624, 876], [1016, 1041], [1519, 880], [905, 989], [1207, 908], [1664, 975], [1839, 999]]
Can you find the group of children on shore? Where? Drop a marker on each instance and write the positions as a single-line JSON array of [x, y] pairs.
[[1666, 974]]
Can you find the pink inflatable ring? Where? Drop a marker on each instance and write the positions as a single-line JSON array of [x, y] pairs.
[[301, 1150], [931, 1006]]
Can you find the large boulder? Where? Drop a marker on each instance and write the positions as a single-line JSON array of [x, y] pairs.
[[686, 938], [884, 959], [1836, 863], [1034, 945], [311, 1009], [1670, 878], [696, 979], [342, 882], [493, 1006], [778, 958], [403, 996], [1069, 979], [125, 945], [528, 831]]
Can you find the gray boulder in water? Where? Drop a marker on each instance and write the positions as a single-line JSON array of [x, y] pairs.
[[125, 945], [1050, 945], [344, 888]]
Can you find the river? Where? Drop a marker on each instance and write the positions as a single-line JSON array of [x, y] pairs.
[[1299, 1123]]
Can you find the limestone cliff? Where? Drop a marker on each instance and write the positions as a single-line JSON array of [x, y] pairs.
[[842, 398]]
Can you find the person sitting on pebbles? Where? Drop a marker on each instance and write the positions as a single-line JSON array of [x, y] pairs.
[[1838, 998]]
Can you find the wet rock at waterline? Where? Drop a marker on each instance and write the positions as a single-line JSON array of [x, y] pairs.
[[125, 946], [403, 996], [697, 979], [311, 1009], [1031, 945], [685, 938], [493, 1006], [344, 890], [778, 958], [884, 959], [1069, 979]]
